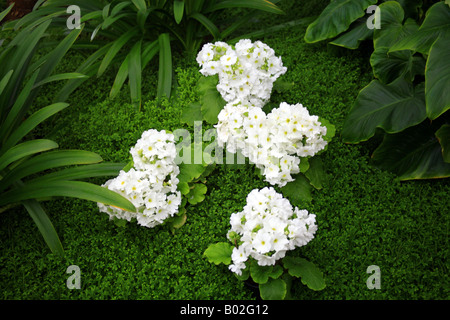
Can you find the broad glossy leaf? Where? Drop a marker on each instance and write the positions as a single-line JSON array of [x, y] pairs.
[[219, 253], [392, 28], [336, 18], [443, 135], [75, 189], [393, 108], [414, 153], [44, 225], [437, 78], [388, 66], [165, 67], [309, 273], [352, 38], [274, 289], [25, 149], [436, 23]]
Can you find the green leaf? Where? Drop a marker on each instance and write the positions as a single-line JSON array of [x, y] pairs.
[[336, 18], [183, 187], [178, 221], [388, 66], [197, 194], [393, 107], [414, 153], [392, 28], [263, 5], [5, 12], [298, 191], [436, 24], [274, 289], [191, 113], [121, 76], [140, 5], [165, 66], [44, 225], [135, 74], [260, 274], [61, 76], [32, 121], [178, 10], [437, 78], [115, 48], [25, 149], [211, 100], [189, 172], [75, 189], [443, 135], [352, 38], [49, 160], [207, 23], [219, 253], [309, 273], [316, 173], [82, 172]]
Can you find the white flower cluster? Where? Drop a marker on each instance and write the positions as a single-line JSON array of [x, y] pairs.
[[267, 228], [246, 71], [274, 142], [152, 184]]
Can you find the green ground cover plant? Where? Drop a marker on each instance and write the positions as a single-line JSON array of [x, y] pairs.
[[365, 216]]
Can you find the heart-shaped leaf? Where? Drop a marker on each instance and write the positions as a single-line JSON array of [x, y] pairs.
[[437, 78], [274, 289], [336, 18], [393, 107], [414, 153]]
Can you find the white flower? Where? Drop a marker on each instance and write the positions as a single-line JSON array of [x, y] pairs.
[[151, 185], [268, 227]]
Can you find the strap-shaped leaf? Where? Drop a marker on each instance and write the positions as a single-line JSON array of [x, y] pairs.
[[82, 172], [165, 67], [263, 5], [30, 123], [393, 108], [49, 160], [74, 189], [44, 225], [5, 12], [140, 5], [437, 78], [336, 18], [178, 10], [25, 149], [207, 23], [135, 74]]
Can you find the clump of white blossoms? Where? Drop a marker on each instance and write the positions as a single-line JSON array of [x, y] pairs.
[[246, 71], [274, 142], [267, 228], [152, 184]]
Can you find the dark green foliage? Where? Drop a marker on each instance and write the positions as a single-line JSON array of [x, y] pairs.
[[365, 216]]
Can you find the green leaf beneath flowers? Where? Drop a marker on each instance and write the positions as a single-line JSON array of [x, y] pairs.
[[309, 273], [192, 113], [219, 253], [197, 194], [298, 191], [260, 274], [211, 101], [316, 173], [274, 289]]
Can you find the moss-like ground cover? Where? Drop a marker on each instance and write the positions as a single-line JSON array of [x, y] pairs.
[[365, 216]]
